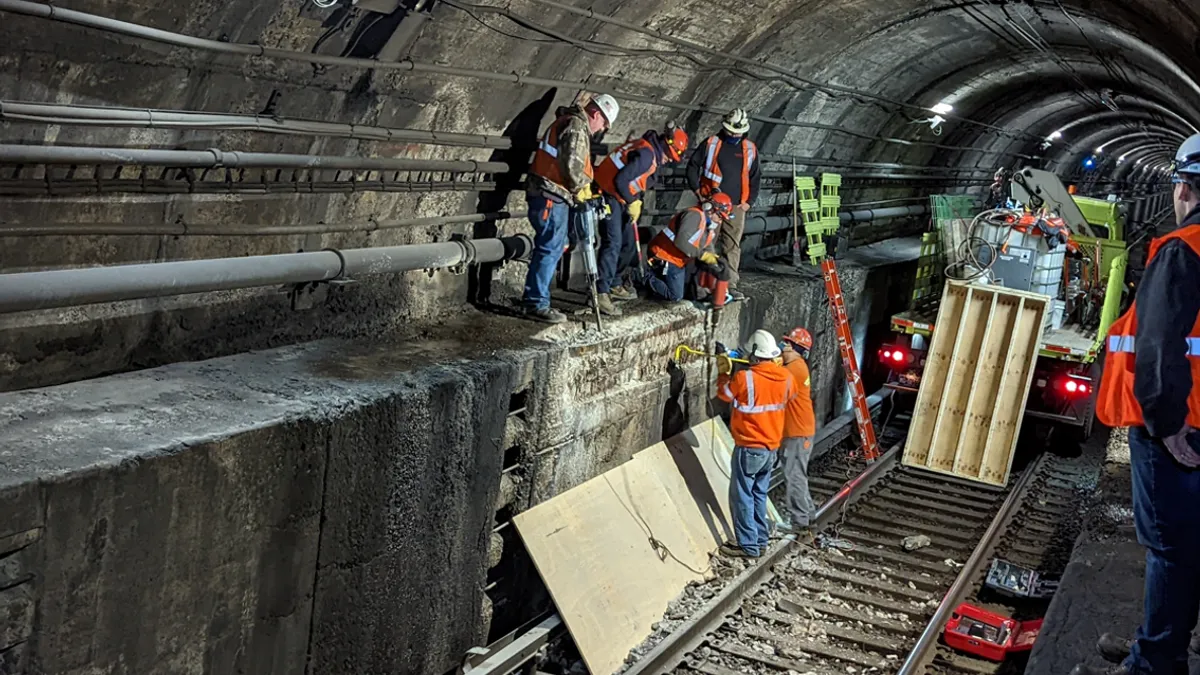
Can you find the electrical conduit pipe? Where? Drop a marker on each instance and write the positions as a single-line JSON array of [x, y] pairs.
[[213, 158], [68, 288], [760, 224]]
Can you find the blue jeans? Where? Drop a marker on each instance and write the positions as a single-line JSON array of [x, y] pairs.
[[616, 246], [667, 284], [750, 476], [549, 219], [1166, 515]]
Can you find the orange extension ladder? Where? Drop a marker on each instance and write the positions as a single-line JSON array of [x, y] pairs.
[[862, 411], [820, 216]]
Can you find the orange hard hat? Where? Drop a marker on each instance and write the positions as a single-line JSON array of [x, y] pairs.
[[676, 142], [799, 337], [720, 205]]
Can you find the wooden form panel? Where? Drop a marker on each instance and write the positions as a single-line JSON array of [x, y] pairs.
[[617, 549], [976, 380]]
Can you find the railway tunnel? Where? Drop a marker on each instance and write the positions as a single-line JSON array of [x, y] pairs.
[[265, 401]]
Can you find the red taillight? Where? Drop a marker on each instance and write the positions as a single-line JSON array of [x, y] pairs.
[[893, 356], [1075, 387], [897, 356]]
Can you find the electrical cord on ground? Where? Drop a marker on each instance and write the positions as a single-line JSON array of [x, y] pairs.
[[660, 549]]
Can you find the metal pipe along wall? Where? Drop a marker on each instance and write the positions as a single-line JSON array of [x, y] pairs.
[[213, 158], [67, 288]]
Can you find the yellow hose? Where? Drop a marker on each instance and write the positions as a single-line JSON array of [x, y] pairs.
[[684, 349]]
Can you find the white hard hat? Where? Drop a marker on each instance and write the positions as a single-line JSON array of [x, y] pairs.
[[1187, 160], [763, 345], [736, 122], [608, 107]]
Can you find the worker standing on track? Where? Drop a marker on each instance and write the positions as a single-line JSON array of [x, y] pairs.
[[799, 430], [687, 238], [1151, 384], [759, 396], [624, 176], [559, 179], [728, 163]]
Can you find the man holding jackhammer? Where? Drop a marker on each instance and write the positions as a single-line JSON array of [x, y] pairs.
[[560, 179], [624, 176]]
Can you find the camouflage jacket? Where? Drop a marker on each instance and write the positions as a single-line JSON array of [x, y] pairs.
[[575, 153]]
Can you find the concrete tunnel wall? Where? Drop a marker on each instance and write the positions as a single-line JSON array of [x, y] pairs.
[[329, 507], [901, 51]]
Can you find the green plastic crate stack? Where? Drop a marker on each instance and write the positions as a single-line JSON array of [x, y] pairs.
[[810, 215], [831, 203]]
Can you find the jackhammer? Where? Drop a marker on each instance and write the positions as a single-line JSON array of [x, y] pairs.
[[590, 214]]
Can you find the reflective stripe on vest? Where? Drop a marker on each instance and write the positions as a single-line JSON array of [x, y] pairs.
[[1125, 344], [618, 159], [711, 180], [546, 162], [748, 407], [1116, 403]]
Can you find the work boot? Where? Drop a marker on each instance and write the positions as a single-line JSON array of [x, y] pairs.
[[735, 295], [1115, 649], [621, 293], [547, 315], [1112, 648], [1085, 669], [735, 551], [605, 303]]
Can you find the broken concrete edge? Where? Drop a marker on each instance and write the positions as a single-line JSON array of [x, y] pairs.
[[82, 456]]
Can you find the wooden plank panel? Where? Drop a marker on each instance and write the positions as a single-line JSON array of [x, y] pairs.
[[971, 331], [592, 544], [982, 401], [933, 379], [1009, 410]]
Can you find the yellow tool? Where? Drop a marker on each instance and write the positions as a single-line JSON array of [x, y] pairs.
[[684, 349]]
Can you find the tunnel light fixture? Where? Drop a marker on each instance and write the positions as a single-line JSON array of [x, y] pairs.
[[1055, 136], [942, 108]]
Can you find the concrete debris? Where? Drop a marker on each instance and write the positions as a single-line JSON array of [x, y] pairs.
[[950, 562], [916, 541]]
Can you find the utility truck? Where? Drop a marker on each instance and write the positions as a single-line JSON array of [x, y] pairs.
[[1043, 240]]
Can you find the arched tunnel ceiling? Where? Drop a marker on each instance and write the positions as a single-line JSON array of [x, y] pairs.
[[850, 80]]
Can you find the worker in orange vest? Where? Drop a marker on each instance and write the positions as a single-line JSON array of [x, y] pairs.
[[560, 178], [799, 431], [728, 163], [759, 397], [687, 238], [1151, 384], [624, 176]]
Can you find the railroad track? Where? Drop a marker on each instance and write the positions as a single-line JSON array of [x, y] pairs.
[[855, 599]]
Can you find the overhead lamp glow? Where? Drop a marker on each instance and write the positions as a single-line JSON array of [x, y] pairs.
[[1100, 150], [942, 108], [1054, 136]]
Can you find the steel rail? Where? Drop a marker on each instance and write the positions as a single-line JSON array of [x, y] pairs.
[[671, 651], [922, 651]]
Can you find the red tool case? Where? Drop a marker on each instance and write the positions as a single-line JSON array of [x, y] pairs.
[[987, 635]]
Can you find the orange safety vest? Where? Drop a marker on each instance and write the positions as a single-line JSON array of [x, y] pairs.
[[759, 396], [1116, 406], [710, 180], [606, 173], [546, 162], [663, 245]]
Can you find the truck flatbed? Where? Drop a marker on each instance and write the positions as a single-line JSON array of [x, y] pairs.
[[1069, 343]]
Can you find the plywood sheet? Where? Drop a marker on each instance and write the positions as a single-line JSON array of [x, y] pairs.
[[976, 381], [615, 550]]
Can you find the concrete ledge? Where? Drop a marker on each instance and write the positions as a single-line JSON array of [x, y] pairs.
[[328, 507]]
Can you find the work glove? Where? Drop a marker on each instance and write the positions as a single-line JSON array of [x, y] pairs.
[[724, 364], [1181, 450], [585, 194], [635, 211], [708, 258]]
